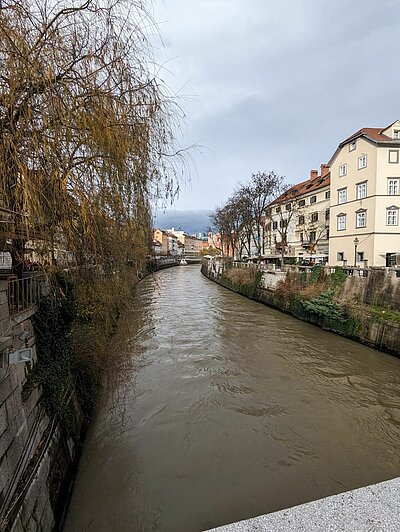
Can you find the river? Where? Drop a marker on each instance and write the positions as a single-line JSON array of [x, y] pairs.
[[229, 409]]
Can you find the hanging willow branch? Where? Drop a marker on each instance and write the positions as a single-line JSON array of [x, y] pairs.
[[86, 129]]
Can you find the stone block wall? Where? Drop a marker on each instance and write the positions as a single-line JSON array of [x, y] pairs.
[[36, 456]]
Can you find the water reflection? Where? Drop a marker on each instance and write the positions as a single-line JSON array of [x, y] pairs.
[[227, 410]]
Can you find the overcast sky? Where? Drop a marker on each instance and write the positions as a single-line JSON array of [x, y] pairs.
[[276, 84]]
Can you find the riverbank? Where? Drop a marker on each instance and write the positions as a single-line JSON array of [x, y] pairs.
[[364, 309]]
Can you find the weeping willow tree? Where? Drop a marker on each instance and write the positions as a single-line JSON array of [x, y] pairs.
[[86, 129]]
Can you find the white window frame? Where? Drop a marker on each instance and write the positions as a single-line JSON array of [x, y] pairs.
[[342, 199], [361, 219], [341, 222], [392, 216], [393, 156], [360, 256], [396, 134], [343, 170], [353, 145], [360, 187], [394, 185], [362, 162], [340, 256]]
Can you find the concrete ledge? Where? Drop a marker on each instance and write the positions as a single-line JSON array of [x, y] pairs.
[[370, 509]]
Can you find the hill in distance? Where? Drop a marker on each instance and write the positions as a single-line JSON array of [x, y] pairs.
[[191, 221]]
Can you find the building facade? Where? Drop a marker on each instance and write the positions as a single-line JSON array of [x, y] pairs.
[[365, 199], [161, 237], [297, 223]]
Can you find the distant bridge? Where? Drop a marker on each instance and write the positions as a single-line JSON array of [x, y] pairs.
[[159, 263]]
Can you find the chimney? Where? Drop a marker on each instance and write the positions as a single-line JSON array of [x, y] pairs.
[[313, 174], [324, 170]]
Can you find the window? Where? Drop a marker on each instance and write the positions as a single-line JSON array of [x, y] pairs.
[[327, 214], [396, 134], [301, 237], [302, 202], [289, 207], [361, 219], [362, 162], [393, 156], [393, 186], [274, 225], [342, 195], [340, 256], [362, 190], [301, 220], [327, 233], [352, 145], [313, 237], [278, 210], [360, 256], [342, 170], [341, 222], [314, 217], [313, 199], [392, 216], [283, 223], [327, 194]]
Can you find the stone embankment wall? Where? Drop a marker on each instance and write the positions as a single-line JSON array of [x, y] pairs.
[[363, 308], [36, 455]]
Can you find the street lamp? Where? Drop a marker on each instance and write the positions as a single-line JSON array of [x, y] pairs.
[[356, 242]]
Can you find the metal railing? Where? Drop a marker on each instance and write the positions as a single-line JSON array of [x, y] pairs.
[[23, 293]]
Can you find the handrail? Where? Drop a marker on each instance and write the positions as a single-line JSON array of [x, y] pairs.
[[23, 293]]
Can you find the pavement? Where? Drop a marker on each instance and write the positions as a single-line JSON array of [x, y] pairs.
[[374, 508]]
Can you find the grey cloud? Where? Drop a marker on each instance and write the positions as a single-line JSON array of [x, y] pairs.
[[276, 85]]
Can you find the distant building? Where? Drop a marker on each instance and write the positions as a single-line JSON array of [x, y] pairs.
[[173, 245], [161, 237], [214, 241], [365, 198], [192, 244]]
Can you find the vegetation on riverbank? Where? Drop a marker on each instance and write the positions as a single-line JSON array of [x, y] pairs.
[[243, 280], [73, 329], [320, 299]]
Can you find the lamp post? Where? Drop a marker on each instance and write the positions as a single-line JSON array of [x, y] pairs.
[[356, 242]]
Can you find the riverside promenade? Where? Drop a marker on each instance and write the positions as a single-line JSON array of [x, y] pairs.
[[374, 508]]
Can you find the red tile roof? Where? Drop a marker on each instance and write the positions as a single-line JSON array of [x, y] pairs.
[[372, 133], [303, 188]]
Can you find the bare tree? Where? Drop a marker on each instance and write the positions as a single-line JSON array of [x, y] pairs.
[[314, 232], [226, 222], [282, 212]]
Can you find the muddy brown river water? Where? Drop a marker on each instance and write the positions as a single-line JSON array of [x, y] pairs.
[[229, 409]]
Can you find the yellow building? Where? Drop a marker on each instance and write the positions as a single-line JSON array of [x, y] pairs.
[[161, 237], [365, 199]]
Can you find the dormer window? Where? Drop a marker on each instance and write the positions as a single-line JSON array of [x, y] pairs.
[[352, 145], [396, 133]]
